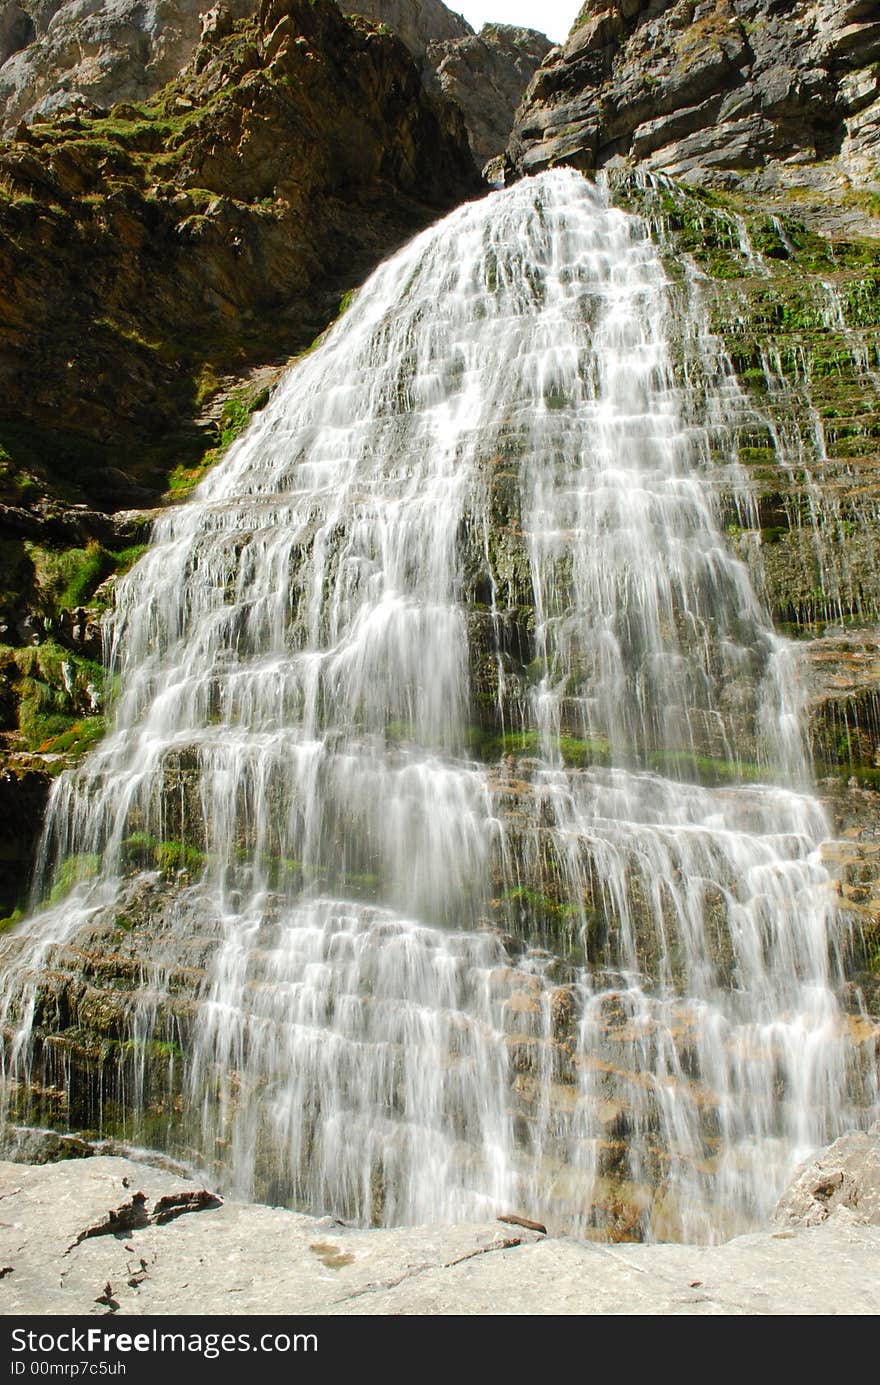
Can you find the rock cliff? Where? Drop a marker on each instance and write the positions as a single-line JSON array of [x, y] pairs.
[[486, 74], [78, 54], [748, 93], [419, 23], [149, 254], [83, 55]]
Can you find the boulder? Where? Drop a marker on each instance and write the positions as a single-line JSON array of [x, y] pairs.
[[841, 1184]]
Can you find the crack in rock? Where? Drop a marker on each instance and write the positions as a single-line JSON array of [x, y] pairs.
[[507, 1243]]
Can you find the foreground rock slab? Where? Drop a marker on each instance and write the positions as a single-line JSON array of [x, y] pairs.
[[108, 1235]]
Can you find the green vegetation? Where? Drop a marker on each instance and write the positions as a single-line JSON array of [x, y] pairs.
[[542, 909], [142, 850], [703, 769], [576, 753], [9, 922], [52, 686], [73, 871], [166, 1050], [234, 417]]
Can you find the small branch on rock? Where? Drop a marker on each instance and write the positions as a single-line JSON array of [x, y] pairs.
[[505, 1244], [5, 1270], [137, 1277], [513, 1220]]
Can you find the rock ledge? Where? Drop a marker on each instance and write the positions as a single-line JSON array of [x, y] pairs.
[[109, 1235]]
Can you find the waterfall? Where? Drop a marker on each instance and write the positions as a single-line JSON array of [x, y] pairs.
[[455, 828]]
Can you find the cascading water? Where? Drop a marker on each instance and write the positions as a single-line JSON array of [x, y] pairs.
[[418, 692]]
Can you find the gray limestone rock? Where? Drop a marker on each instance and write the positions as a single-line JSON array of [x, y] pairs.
[[486, 74], [721, 92], [841, 1184], [86, 1235], [84, 54], [418, 22], [65, 55]]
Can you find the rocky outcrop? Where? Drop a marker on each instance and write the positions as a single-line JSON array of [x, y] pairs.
[[720, 92], [163, 243], [106, 1234], [62, 55], [151, 254], [486, 74], [419, 23], [841, 1184], [66, 56]]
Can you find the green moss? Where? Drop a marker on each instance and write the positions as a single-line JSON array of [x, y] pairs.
[[163, 1049], [173, 856], [125, 558], [235, 415], [78, 738], [66, 578], [574, 752], [142, 850], [703, 769], [52, 684], [72, 872], [184, 479]]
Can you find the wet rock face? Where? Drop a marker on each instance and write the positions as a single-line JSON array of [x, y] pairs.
[[24, 790], [709, 92]]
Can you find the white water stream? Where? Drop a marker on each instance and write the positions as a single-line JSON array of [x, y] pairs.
[[385, 1030]]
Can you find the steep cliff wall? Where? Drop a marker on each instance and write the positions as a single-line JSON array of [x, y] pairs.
[[752, 93], [486, 74], [74, 54], [418, 22]]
